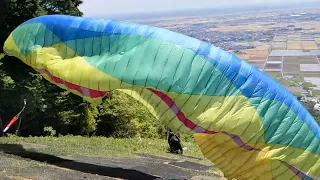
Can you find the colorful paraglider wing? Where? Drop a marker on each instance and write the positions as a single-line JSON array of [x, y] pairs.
[[244, 122]]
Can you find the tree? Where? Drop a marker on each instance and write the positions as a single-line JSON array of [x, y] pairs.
[[15, 12], [121, 116], [18, 81], [61, 6]]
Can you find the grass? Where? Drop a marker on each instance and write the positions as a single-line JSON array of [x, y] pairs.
[[274, 74], [308, 84], [100, 146], [316, 92], [104, 147], [277, 76], [285, 82], [296, 94]]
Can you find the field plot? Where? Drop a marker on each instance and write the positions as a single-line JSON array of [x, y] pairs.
[[314, 80], [283, 43], [310, 68], [256, 56], [274, 74], [295, 90], [257, 53], [294, 46], [308, 60], [257, 65], [291, 60], [280, 40], [309, 74], [245, 57], [275, 58], [295, 74], [259, 26], [317, 39], [293, 41], [296, 42], [306, 37], [291, 68], [272, 70], [295, 55], [297, 35], [279, 47], [309, 45], [273, 65]]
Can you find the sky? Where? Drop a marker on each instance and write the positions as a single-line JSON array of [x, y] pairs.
[[98, 8]]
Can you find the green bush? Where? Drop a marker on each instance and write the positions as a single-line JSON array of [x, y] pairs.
[[122, 116], [49, 130]]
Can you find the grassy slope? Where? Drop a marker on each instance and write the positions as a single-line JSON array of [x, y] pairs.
[[100, 146], [106, 147], [316, 92]]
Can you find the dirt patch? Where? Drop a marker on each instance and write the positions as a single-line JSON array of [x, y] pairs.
[[156, 157], [17, 168], [33, 145], [191, 165]]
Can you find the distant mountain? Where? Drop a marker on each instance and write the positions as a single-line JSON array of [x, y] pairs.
[[211, 11]]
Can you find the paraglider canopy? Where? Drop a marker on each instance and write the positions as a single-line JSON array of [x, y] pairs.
[[245, 122]]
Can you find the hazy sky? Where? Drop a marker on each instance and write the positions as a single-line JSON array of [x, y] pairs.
[[111, 7]]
